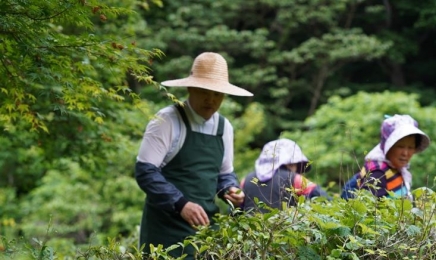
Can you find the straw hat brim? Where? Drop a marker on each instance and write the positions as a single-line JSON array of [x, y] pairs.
[[209, 84]]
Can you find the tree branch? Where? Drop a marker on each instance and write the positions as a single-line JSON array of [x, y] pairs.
[[388, 13], [319, 84], [37, 19], [350, 16], [6, 68]]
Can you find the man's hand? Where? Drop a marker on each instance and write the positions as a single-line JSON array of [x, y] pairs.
[[194, 214], [235, 196]]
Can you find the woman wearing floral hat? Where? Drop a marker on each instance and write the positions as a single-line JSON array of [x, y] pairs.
[[385, 172], [278, 178]]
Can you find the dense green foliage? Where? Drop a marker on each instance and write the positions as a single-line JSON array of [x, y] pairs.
[[341, 132], [78, 84], [68, 118], [294, 55], [55, 62], [362, 228]]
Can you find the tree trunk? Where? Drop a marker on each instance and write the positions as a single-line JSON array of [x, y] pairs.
[[319, 84], [397, 75]]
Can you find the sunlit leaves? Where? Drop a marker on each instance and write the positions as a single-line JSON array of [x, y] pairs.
[[53, 45]]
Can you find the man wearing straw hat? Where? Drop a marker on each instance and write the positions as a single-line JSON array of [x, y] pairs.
[[186, 158]]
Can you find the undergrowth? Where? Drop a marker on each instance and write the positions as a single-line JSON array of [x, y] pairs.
[[362, 228]]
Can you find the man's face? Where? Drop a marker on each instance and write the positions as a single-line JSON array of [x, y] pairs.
[[205, 102], [402, 151]]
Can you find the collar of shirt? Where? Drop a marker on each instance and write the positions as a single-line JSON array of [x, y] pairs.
[[196, 118], [199, 124]]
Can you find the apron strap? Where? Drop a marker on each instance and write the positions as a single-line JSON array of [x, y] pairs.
[[220, 130], [184, 117]]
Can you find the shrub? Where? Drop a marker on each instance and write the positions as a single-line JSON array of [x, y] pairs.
[[362, 228]]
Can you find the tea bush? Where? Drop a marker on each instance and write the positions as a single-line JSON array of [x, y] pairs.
[[361, 228]]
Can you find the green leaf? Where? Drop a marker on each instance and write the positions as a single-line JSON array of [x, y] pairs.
[[358, 206]]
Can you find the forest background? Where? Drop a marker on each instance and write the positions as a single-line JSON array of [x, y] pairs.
[[79, 82]]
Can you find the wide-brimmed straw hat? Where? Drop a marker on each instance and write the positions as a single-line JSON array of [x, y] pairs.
[[209, 71]]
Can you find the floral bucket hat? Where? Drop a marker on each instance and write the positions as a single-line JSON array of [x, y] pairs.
[[398, 126], [277, 153]]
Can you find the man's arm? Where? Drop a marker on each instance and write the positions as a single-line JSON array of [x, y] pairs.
[[228, 184], [228, 189], [155, 146], [160, 193], [225, 181]]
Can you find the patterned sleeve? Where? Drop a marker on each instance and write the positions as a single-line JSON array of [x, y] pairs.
[[374, 181]]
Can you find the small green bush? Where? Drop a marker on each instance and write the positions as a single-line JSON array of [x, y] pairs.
[[362, 228]]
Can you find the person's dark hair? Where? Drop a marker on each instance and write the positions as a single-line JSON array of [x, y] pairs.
[[418, 140], [302, 167]]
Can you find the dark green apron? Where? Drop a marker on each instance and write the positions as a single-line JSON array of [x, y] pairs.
[[194, 171]]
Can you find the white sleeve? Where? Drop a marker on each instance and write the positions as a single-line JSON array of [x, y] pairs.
[[227, 166], [156, 141]]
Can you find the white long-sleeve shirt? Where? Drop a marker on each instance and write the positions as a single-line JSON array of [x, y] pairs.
[[166, 133]]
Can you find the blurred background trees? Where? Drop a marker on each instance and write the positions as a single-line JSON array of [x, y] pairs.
[[79, 83]]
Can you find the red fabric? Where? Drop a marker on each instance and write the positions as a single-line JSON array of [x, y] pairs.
[[302, 185]]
